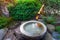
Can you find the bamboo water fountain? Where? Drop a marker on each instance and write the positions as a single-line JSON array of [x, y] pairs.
[[41, 12]]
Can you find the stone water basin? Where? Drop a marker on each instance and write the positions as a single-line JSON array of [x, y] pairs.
[[33, 29]]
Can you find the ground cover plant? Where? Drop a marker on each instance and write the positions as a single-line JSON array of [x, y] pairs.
[[58, 29], [4, 22]]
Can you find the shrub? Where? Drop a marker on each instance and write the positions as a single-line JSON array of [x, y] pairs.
[[4, 22], [58, 29], [25, 9], [49, 19], [51, 3]]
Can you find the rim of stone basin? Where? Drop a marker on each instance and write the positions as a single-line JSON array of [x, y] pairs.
[[28, 34]]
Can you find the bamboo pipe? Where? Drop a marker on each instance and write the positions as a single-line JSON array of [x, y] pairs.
[[41, 11]]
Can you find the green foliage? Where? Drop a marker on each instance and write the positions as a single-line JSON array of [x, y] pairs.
[[58, 37], [51, 3], [4, 22], [58, 29], [49, 19], [25, 9]]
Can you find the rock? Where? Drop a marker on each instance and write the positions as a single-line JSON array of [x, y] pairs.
[[23, 22], [5, 11], [56, 35], [48, 37], [57, 20], [14, 25], [17, 32], [40, 20], [10, 36], [51, 28], [2, 33]]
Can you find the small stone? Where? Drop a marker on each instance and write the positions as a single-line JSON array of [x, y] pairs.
[[41, 20], [2, 33], [14, 25], [48, 36], [56, 35], [17, 30], [57, 20], [51, 28], [10, 36]]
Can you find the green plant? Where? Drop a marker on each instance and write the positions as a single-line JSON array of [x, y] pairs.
[[49, 19], [57, 29], [58, 37], [4, 22], [51, 3], [25, 9]]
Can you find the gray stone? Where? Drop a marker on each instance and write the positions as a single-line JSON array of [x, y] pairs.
[[41, 20], [57, 20], [48, 36], [2, 33], [17, 32], [14, 25], [5, 11], [10, 36], [50, 27], [56, 35]]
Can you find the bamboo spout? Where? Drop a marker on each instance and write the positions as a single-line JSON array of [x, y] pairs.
[[41, 11]]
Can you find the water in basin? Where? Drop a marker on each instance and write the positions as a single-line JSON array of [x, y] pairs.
[[33, 28]]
